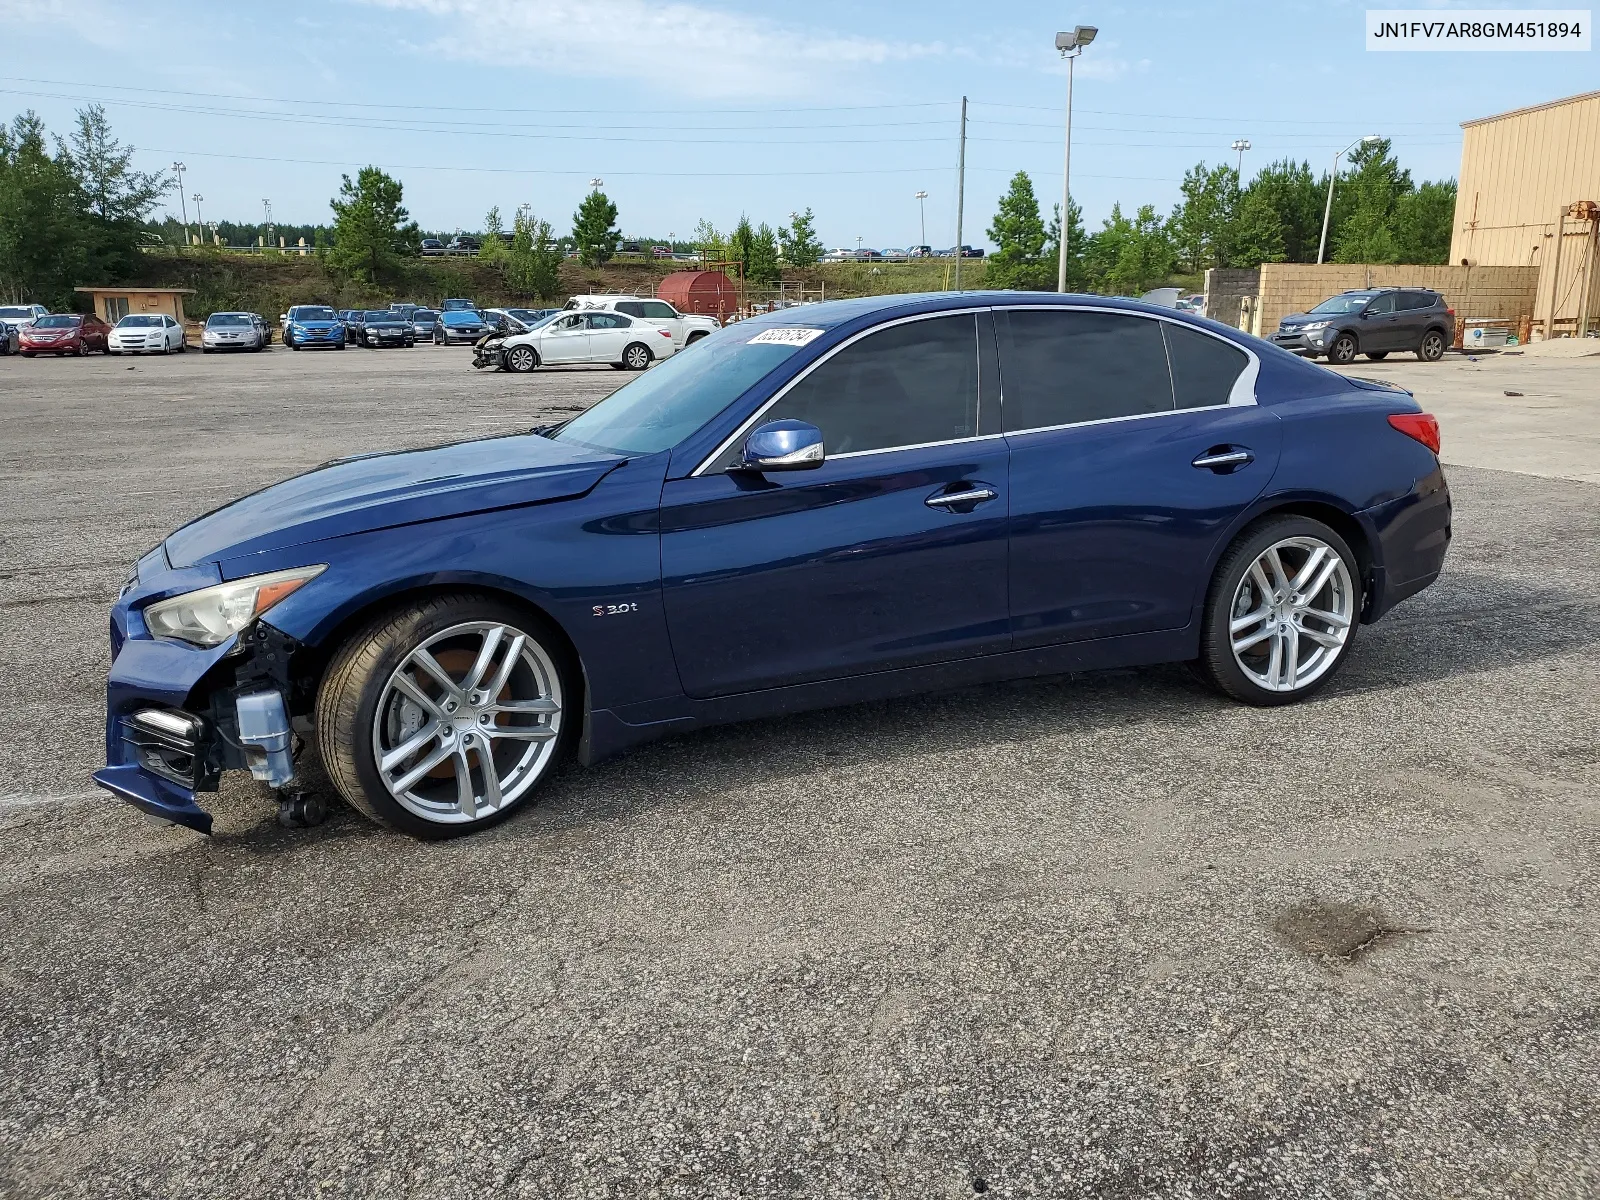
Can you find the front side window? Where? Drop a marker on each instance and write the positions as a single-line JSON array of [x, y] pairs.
[[1381, 306], [656, 310], [1063, 367], [908, 385]]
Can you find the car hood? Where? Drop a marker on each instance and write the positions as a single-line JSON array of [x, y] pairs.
[[461, 318], [319, 323], [380, 491], [1305, 318]]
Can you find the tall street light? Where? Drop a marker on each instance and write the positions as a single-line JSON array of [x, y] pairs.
[[1071, 45], [178, 169], [597, 183], [198, 219], [266, 210], [1241, 145], [922, 207], [1327, 209]]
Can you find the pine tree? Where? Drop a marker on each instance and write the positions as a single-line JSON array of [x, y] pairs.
[[799, 239], [1077, 244], [1258, 232], [739, 244], [492, 247], [372, 230], [594, 228], [761, 268], [1019, 233]]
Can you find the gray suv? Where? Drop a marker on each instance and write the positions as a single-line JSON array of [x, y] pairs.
[[1371, 321]]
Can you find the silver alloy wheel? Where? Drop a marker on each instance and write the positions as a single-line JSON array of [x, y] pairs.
[[636, 357], [520, 359], [467, 722], [1291, 614]]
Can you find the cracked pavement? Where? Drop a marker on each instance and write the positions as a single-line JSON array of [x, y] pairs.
[[1103, 935]]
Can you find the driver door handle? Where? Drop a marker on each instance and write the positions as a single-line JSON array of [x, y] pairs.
[[979, 495]]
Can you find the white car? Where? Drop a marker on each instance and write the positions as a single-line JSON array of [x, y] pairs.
[[146, 333], [20, 316], [686, 328], [588, 337]]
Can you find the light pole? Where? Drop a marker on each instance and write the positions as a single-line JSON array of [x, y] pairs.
[[198, 219], [922, 207], [1241, 145], [178, 168], [1071, 45], [1327, 209], [266, 237], [597, 183]]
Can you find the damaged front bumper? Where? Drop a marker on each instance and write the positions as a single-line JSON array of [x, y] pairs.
[[178, 716]]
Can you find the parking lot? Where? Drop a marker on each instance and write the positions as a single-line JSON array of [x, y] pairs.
[[1091, 936]]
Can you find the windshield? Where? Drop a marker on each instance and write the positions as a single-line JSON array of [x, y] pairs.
[[456, 305], [424, 314], [139, 323], [13, 313], [670, 401], [1343, 304], [313, 313], [60, 321], [216, 319], [384, 318], [462, 314]]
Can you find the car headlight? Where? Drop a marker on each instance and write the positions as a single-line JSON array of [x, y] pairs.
[[1312, 326], [212, 615]]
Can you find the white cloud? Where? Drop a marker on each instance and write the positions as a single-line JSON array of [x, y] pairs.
[[690, 49]]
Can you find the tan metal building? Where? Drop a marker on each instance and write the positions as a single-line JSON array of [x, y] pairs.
[[114, 303], [1530, 181]]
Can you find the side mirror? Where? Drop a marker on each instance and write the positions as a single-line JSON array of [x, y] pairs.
[[1364, 314], [782, 446]]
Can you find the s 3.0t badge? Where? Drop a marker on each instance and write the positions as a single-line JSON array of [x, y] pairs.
[[614, 610]]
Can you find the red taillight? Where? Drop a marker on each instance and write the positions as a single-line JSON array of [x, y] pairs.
[[1422, 426]]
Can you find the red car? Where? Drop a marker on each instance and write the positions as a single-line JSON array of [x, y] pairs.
[[64, 333]]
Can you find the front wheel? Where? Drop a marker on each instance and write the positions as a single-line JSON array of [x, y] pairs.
[[1343, 350], [442, 718], [521, 359], [1377, 355], [636, 357], [1281, 612], [1432, 348]]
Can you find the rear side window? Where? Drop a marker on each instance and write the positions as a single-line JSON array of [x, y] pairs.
[[632, 307], [1203, 368], [1417, 300], [906, 385], [1061, 368]]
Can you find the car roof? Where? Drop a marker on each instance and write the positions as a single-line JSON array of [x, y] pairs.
[[830, 314]]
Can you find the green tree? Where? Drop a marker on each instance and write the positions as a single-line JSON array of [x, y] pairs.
[[533, 263], [594, 228], [1258, 232], [43, 245], [1366, 199], [1294, 195], [1202, 224], [1143, 253], [1019, 232], [1423, 222], [1077, 244], [712, 245], [799, 239], [740, 244], [116, 198], [372, 230], [762, 266], [492, 247]]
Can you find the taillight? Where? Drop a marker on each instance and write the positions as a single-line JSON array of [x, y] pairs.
[[1422, 426]]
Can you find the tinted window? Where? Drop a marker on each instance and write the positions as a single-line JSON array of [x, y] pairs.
[[1381, 304], [60, 321], [1060, 368], [216, 319], [903, 386], [1203, 368], [656, 310], [607, 321], [632, 307], [1416, 300]]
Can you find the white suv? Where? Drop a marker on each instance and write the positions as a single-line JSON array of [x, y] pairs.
[[686, 328]]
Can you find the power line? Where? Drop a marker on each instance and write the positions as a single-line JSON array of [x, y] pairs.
[[1106, 112]]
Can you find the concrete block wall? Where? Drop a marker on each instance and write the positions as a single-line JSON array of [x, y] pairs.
[[1494, 293], [1225, 288]]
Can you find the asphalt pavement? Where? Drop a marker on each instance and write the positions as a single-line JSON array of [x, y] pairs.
[[1102, 936]]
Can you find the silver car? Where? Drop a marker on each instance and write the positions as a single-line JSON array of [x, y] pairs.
[[423, 321], [233, 331]]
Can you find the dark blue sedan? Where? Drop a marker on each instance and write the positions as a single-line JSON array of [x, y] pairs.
[[820, 506]]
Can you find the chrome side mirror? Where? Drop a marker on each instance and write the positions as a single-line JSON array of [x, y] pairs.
[[782, 446]]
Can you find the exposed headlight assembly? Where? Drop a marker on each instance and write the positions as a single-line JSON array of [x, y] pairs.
[[1314, 325], [212, 615]]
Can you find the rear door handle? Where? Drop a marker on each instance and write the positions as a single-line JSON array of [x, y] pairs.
[[977, 495], [1225, 458]]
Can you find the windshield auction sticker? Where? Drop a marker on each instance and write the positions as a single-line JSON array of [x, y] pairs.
[[785, 337], [1478, 29]]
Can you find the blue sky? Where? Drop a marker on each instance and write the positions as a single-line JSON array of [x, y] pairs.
[[699, 108]]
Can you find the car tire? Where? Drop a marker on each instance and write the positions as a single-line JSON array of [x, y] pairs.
[[1342, 352], [1250, 662], [1377, 355], [183, 345], [1431, 349], [340, 346], [695, 337], [362, 709], [636, 356], [205, 349], [521, 359], [27, 353], [293, 345]]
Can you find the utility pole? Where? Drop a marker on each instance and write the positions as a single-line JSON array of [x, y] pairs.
[[267, 238], [961, 188], [922, 206], [198, 219], [178, 168], [1327, 209]]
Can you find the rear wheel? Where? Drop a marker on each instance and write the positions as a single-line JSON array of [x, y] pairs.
[[637, 356], [1343, 350], [1281, 612], [1377, 355], [521, 359], [1432, 347], [443, 717]]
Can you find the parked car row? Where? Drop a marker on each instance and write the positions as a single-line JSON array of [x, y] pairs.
[[844, 254]]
